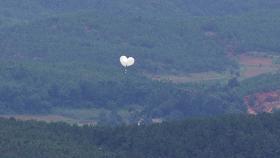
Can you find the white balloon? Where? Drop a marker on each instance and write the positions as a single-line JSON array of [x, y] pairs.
[[126, 62], [130, 61], [123, 60]]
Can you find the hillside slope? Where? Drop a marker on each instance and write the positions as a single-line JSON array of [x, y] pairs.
[[64, 54]]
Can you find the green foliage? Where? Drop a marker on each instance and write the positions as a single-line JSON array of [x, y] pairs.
[[256, 31], [267, 82], [179, 45], [64, 54], [229, 136], [31, 140], [31, 90]]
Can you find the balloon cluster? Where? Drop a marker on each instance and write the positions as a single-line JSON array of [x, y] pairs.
[[126, 62]]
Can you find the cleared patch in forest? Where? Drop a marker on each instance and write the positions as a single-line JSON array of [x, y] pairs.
[[190, 77], [50, 118], [252, 65], [92, 116], [262, 102]]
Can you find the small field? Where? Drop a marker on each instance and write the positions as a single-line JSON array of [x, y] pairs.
[[50, 118], [192, 77], [82, 117], [47, 118], [252, 66]]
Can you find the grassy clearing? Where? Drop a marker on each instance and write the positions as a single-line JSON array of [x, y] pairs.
[[92, 116], [191, 77], [250, 66], [46, 118], [253, 65]]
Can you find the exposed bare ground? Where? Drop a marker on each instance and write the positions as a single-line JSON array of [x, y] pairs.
[[256, 65], [262, 102]]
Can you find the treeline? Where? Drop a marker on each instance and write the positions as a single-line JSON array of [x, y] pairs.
[[33, 139], [231, 136], [228, 136]]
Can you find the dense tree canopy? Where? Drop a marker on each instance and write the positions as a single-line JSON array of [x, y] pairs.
[[229, 136], [64, 54]]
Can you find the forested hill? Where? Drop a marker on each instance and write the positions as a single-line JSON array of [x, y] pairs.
[[229, 136], [61, 55], [164, 36], [60, 58]]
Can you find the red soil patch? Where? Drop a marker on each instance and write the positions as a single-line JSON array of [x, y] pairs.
[[262, 102]]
